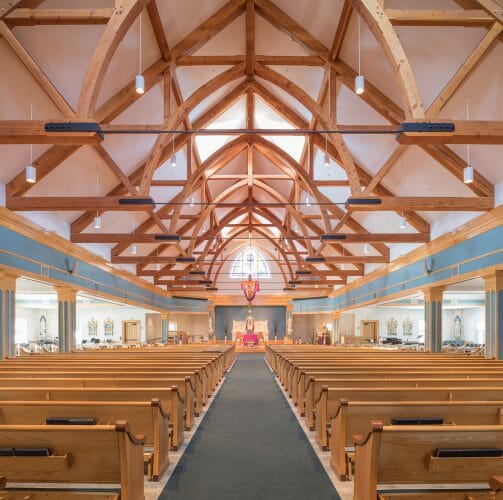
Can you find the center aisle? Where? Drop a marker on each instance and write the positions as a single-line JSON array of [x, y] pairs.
[[249, 446]]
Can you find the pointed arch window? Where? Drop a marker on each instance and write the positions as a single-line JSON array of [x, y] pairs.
[[250, 262]]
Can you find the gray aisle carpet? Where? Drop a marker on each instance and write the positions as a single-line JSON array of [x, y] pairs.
[[249, 446]]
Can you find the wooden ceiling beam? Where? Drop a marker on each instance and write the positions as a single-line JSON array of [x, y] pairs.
[[33, 17], [468, 18], [423, 203], [466, 132], [72, 203], [33, 132]]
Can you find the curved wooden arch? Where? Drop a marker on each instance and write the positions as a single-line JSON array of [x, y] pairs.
[[237, 213], [220, 157], [234, 236], [316, 110], [233, 73], [123, 16], [376, 19], [231, 189], [264, 250]]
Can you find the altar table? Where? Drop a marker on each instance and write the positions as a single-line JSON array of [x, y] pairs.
[[250, 339]]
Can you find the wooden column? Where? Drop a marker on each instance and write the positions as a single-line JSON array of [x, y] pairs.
[[164, 326], [67, 317], [494, 314], [7, 313], [433, 318]]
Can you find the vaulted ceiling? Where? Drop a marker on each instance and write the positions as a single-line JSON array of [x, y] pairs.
[[268, 78]]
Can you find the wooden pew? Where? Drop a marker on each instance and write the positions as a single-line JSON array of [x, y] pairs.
[[170, 400], [312, 394], [353, 417], [108, 454], [303, 376], [328, 402], [147, 418], [407, 455], [184, 386]]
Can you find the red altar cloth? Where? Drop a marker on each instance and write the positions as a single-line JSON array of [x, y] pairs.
[[250, 339]]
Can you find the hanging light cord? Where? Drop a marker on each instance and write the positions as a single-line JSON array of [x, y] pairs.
[[139, 55], [359, 46]]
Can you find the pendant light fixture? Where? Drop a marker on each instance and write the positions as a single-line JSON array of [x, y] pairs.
[[468, 172], [140, 80], [366, 248], [30, 170], [359, 80], [97, 218], [133, 249], [173, 155], [192, 201], [97, 221], [308, 201], [326, 160], [403, 220]]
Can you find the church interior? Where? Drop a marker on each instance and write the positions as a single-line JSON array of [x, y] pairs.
[[251, 249]]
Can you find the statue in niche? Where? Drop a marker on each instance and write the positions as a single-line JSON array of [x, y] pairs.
[[407, 327], [250, 324], [289, 326], [43, 326], [109, 326], [92, 327], [456, 330], [392, 327]]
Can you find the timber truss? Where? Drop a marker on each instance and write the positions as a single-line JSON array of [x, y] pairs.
[[305, 262]]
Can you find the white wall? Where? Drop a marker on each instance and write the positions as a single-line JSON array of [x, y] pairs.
[[383, 315], [104, 311], [472, 321]]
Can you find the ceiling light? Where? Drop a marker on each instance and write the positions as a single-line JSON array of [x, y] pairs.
[[359, 80], [158, 267], [403, 222], [363, 201], [133, 249], [308, 201], [173, 160], [192, 201], [335, 287], [468, 174], [31, 174], [359, 84], [366, 248], [136, 200], [326, 161], [140, 84], [97, 222]]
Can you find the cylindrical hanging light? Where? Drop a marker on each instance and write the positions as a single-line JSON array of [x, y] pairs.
[[173, 160], [133, 249], [139, 80], [359, 84], [31, 174], [192, 201], [97, 222], [366, 248], [403, 222], [30, 170], [468, 171], [308, 201], [468, 174], [326, 161], [140, 84], [359, 80]]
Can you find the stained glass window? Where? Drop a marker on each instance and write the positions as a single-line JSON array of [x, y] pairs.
[[250, 262]]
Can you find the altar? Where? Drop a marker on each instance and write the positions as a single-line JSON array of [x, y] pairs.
[[249, 337]]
